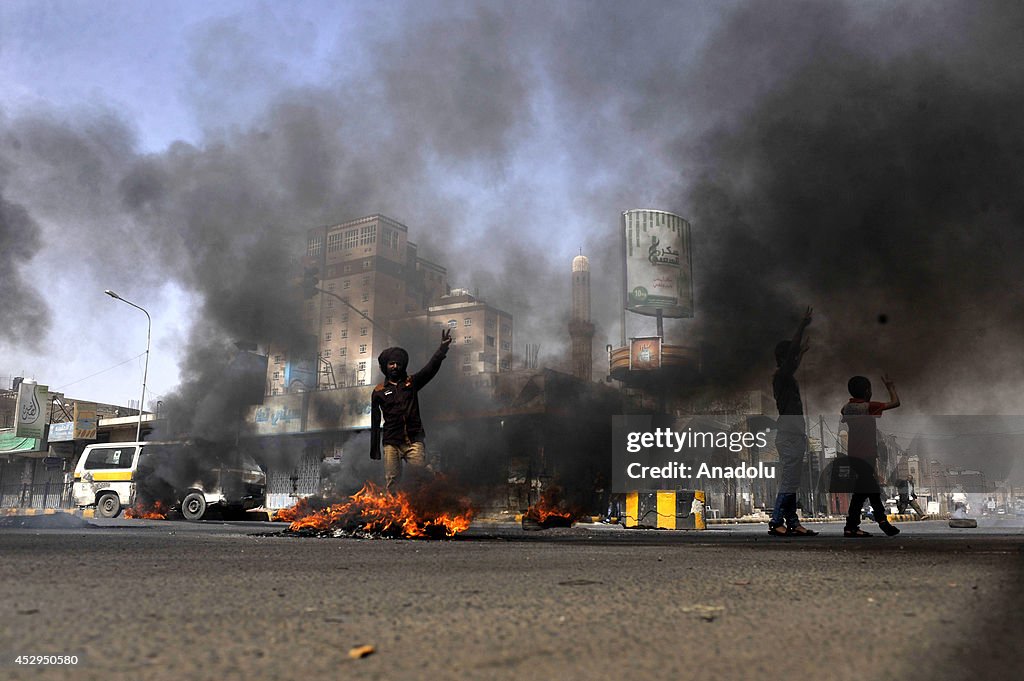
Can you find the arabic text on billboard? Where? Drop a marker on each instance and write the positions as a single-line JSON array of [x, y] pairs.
[[31, 409], [645, 353], [658, 263]]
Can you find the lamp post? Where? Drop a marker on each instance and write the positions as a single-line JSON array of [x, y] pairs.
[[145, 370]]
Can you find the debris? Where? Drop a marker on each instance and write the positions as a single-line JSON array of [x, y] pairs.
[[708, 613], [361, 651]]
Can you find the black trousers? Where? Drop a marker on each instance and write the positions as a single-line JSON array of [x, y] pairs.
[[857, 503]]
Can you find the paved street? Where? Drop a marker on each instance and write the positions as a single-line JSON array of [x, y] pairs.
[[171, 600]]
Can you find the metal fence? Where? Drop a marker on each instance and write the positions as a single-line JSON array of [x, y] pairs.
[[42, 495]]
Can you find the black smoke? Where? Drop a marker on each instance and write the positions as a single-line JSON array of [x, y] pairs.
[[26, 315], [876, 176], [858, 158]]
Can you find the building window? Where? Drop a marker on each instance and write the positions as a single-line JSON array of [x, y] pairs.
[[327, 337], [468, 321], [467, 369], [334, 242], [452, 323], [367, 235], [330, 303], [278, 359], [366, 298], [506, 330], [344, 284], [314, 246], [505, 345], [362, 351], [366, 281], [505, 364], [490, 323], [344, 316], [362, 330], [274, 391], [351, 238], [277, 375], [342, 352], [327, 353], [346, 269], [330, 287], [329, 321], [367, 264], [490, 341], [344, 333], [467, 339]]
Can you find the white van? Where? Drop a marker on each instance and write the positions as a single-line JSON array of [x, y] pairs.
[[181, 476]]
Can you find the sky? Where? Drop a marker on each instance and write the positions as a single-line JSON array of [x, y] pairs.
[[862, 158]]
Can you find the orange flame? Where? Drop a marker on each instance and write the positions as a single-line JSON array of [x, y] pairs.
[[155, 511], [550, 509], [377, 511], [299, 510]]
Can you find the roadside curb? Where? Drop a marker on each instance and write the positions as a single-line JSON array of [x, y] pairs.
[[892, 517], [79, 513]]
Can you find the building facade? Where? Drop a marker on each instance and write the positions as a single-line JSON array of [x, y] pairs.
[[482, 335], [370, 274]]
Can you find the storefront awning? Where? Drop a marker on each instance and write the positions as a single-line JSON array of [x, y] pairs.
[[9, 443]]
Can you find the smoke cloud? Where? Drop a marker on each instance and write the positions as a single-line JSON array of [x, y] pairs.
[[859, 158], [879, 184]]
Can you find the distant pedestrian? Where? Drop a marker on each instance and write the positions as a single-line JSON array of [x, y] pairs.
[[791, 436], [907, 497], [859, 414]]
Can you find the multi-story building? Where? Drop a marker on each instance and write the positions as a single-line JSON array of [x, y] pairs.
[[481, 333], [370, 274]]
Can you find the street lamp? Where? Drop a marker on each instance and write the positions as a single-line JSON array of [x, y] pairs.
[[145, 370]]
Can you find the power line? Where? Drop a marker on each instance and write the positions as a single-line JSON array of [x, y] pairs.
[[130, 359]]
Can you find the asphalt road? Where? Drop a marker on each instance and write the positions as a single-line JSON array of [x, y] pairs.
[[173, 600]]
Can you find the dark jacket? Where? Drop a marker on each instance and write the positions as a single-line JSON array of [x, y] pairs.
[[398, 402]]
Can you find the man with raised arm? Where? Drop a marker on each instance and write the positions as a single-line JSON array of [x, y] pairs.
[[396, 399]]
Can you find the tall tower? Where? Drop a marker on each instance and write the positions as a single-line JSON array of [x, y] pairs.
[[581, 331]]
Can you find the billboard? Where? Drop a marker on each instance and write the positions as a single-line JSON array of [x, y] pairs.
[[645, 353], [61, 432], [279, 415], [31, 410], [340, 409], [300, 374], [85, 421], [658, 268]]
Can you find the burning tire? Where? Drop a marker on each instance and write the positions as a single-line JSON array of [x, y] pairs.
[[193, 507], [108, 505]]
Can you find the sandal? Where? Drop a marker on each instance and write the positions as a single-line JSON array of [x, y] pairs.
[[777, 530], [856, 532], [801, 531]]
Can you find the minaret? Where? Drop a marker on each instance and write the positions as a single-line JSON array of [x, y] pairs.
[[581, 331]]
